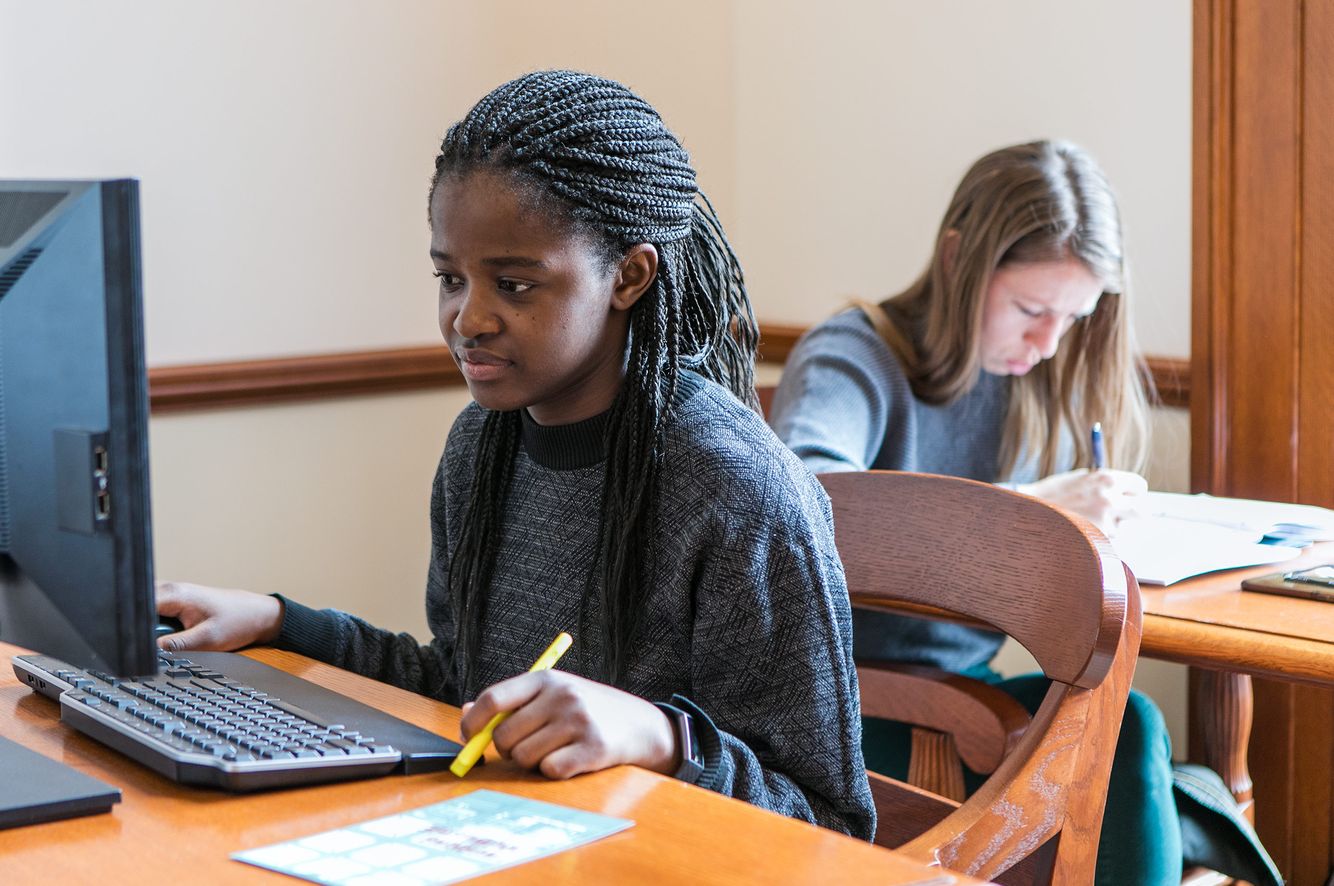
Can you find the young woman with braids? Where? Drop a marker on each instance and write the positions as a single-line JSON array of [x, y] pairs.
[[993, 365], [610, 479]]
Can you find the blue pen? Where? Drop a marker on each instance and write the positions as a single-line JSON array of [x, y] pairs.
[[1099, 450]]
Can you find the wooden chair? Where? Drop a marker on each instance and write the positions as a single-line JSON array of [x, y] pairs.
[[942, 545]]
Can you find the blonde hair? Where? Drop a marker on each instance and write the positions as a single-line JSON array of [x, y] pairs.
[[1036, 202]]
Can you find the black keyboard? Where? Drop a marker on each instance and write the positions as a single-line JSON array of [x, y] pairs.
[[225, 720]]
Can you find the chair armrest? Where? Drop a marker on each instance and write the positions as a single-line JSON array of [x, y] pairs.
[[904, 811], [984, 721]]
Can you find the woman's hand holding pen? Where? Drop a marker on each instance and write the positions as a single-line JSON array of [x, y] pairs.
[[1103, 497], [565, 725]]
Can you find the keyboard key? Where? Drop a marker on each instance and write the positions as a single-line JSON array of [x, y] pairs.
[[200, 720]]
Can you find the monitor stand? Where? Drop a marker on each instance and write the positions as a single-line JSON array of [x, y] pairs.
[[34, 788]]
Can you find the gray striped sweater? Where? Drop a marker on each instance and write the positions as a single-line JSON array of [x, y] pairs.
[[746, 622], [845, 404]]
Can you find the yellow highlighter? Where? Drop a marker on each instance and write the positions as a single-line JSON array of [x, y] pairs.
[[472, 751]]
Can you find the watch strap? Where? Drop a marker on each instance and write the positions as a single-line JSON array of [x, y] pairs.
[[687, 740]]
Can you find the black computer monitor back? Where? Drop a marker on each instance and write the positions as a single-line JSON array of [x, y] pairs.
[[76, 577]]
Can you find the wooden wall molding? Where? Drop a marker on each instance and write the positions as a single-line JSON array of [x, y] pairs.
[[257, 382], [1171, 380], [174, 389], [1170, 375], [777, 341]]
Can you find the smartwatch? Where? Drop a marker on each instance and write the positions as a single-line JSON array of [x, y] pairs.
[[692, 760]]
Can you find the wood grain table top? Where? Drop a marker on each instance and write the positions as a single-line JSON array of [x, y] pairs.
[[163, 830], [1209, 621]]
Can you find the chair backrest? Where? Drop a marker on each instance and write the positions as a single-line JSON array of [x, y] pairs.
[[1039, 574], [948, 547]]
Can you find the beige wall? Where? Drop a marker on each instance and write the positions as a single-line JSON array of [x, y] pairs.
[[325, 502], [285, 146], [857, 119]]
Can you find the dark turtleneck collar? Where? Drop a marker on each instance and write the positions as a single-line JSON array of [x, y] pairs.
[[564, 447], [579, 445]]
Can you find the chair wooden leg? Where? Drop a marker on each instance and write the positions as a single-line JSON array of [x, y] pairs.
[[935, 766], [1221, 708]]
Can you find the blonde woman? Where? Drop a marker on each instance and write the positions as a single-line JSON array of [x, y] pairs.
[[994, 365]]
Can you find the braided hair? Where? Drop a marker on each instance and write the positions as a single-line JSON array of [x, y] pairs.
[[600, 158]]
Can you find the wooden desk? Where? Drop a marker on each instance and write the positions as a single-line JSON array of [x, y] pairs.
[[163, 830], [1209, 622], [1227, 636]]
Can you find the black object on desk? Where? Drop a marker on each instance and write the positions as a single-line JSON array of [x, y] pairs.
[[34, 789], [1315, 583], [224, 720]]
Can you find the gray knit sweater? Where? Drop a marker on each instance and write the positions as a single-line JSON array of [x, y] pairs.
[[845, 404], [746, 623]]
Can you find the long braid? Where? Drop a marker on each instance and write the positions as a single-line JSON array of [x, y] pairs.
[[496, 447], [602, 155]]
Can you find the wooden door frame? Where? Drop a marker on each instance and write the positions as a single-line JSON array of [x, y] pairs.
[[1262, 350]]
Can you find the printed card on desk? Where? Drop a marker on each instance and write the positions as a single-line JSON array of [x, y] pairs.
[[465, 837]]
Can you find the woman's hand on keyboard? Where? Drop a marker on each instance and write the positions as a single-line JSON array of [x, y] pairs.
[[565, 725], [217, 618]]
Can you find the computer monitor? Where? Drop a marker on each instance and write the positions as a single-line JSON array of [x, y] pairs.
[[76, 573]]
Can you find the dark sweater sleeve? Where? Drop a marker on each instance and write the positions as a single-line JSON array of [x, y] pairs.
[[772, 666], [356, 645]]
